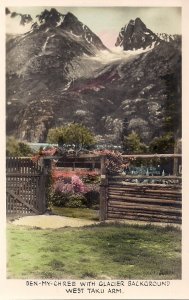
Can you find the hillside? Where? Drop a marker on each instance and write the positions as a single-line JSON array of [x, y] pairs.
[[60, 72]]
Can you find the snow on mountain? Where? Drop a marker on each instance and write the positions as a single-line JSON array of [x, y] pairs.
[[60, 72], [135, 35], [118, 54], [167, 37]]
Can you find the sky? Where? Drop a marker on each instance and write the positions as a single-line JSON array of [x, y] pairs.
[[106, 22]]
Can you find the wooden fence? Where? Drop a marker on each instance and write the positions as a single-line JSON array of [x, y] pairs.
[[133, 197], [139, 198], [25, 186]]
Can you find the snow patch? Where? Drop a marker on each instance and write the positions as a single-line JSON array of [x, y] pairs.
[[46, 42], [88, 38], [60, 22], [77, 36], [44, 46], [67, 86]]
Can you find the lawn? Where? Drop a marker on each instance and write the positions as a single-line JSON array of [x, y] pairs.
[[105, 251], [82, 213]]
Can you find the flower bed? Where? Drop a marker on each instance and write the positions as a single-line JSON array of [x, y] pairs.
[[78, 188]]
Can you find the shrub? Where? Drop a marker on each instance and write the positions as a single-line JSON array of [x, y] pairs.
[[114, 161], [57, 198], [163, 144], [92, 199], [91, 178], [78, 185], [68, 192], [75, 201], [17, 148]]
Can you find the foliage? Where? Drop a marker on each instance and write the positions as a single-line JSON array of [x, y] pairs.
[[162, 144], [17, 148], [87, 176], [74, 134], [132, 144], [114, 161], [78, 185], [75, 201], [73, 192], [92, 199], [56, 198]]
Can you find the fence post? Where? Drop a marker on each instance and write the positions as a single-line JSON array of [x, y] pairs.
[[44, 184], [175, 159], [103, 190]]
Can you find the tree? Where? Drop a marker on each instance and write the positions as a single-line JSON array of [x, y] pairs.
[[73, 134], [17, 148], [132, 144], [163, 144]]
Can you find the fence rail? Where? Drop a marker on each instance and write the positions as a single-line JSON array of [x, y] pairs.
[[133, 197], [141, 197]]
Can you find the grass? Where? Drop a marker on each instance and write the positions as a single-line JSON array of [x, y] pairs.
[[82, 213], [106, 251]]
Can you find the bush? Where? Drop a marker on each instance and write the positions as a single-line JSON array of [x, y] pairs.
[[163, 144], [114, 161], [75, 201], [92, 199], [17, 148], [68, 192], [56, 198], [78, 185], [72, 192]]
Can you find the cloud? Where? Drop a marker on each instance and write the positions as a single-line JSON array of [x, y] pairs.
[[13, 25]]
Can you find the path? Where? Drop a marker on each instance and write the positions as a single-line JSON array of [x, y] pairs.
[[51, 221]]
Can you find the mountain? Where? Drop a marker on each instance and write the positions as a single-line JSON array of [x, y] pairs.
[[60, 72], [53, 42], [135, 35], [135, 92]]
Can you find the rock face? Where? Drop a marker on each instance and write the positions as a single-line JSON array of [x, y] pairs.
[[54, 77], [135, 35]]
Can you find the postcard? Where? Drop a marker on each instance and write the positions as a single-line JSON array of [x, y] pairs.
[[94, 149]]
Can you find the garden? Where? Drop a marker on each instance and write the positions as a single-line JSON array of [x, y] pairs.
[[107, 250]]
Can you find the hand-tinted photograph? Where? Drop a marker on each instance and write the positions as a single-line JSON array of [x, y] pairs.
[[93, 143]]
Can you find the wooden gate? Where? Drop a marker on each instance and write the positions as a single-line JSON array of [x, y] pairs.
[[139, 198], [25, 187]]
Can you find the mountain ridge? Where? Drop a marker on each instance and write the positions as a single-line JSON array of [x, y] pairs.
[[54, 77]]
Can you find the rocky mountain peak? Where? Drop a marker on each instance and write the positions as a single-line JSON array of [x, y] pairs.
[[70, 18], [51, 17], [7, 11], [139, 25], [22, 19], [135, 35], [48, 18]]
